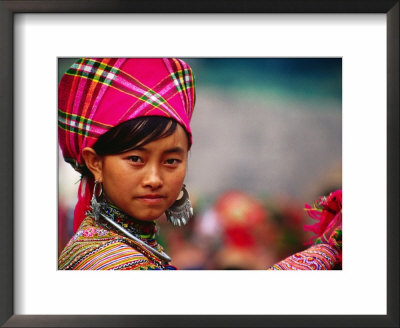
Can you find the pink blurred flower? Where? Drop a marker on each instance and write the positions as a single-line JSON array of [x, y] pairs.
[[328, 213]]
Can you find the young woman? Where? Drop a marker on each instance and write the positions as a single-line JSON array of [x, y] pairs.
[[124, 125]]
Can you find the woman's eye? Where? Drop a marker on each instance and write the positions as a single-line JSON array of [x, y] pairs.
[[172, 161], [135, 159]]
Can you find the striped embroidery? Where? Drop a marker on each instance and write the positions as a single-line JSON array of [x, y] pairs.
[[106, 258], [317, 257], [94, 248]]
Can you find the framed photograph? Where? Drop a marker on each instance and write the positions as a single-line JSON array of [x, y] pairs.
[[360, 35], [288, 111]]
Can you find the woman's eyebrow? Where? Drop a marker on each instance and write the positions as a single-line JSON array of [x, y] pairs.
[[178, 150]]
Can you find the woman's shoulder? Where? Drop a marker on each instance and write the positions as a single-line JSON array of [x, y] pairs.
[[96, 248]]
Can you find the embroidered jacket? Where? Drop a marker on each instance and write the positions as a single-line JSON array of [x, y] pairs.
[[94, 247]]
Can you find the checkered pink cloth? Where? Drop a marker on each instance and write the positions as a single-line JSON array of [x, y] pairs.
[[96, 94]]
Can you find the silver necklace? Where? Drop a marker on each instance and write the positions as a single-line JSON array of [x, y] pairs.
[[160, 255], [97, 212]]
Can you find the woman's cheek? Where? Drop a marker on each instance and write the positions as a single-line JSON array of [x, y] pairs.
[[180, 176]]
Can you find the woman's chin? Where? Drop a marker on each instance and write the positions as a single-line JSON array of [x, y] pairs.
[[150, 216]]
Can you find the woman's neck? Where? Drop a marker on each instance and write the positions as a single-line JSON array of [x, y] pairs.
[[142, 229]]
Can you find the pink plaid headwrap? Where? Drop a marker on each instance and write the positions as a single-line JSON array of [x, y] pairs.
[[96, 94]]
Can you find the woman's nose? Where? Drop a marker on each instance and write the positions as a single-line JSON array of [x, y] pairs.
[[152, 178]]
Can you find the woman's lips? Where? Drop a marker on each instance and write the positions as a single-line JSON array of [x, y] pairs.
[[151, 198]]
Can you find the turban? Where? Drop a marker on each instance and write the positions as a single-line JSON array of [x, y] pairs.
[[97, 94]]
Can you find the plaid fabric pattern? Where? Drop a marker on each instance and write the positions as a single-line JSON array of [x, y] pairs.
[[96, 94]]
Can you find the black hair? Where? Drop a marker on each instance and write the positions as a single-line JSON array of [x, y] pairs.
[[133, 134]]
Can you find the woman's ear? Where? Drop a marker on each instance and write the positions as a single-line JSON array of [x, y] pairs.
[[93, 163]]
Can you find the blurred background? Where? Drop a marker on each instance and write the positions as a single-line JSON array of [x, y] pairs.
[[267, 139]]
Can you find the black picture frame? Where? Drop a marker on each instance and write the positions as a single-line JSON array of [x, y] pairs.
[[7, 198]]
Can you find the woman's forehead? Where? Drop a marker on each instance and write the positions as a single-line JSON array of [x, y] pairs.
[[175, 143]]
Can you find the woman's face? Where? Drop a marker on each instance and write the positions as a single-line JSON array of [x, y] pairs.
[[144, 182]]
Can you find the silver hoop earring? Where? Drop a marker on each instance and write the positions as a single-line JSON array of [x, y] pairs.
[[94, 203], [181, 210]]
